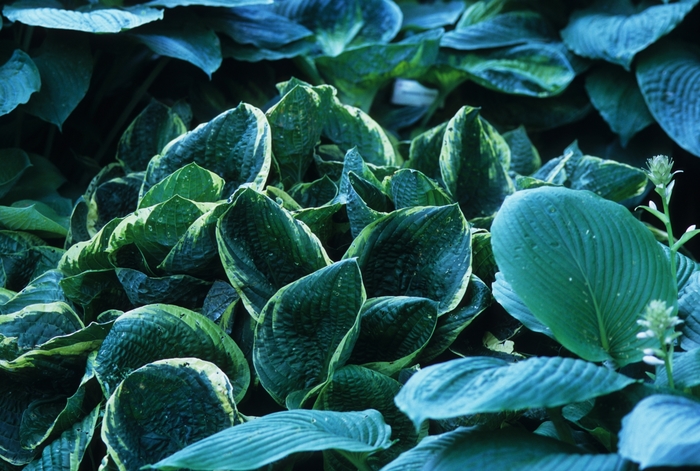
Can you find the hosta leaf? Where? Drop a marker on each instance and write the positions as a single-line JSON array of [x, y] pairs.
[[19, 258], [140, 427], [182, 290], [155, 230], [428, 16], [506, 297], [307, 330], [66, 452], [251, 25], [617, 31], [668, 75], [314, 194], [159, 331], [354, 388], [264, 248], [190, 181], [274, 436], [686, 370], [607, 178], [507, 29], [524, 157], [96, 291], [91, 254], [662, 430], [205, 3], [555, 248], [477, 385], [413, 188], [189, 42], [15, 163], [422, 251], [473, 162], [147, 135], [350, 127], [424, 153], [65, 67], [360, 198], [43, 289], [236, 145], [688, 302], [617, 98], [393, 331], [20, 78], [15, 398], [512, 449], [360, 72], [101, 20], [35, 217], [354, 163], [296, 122]]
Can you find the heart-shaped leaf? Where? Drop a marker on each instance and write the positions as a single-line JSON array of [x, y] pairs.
[[555, 247], [307, 330], [617, 31], [274, 436], [477, 385], [669, 77], [190, 181], [19, 78], [422, 251]]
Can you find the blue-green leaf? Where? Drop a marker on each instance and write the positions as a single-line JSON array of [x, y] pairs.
[[430, 15], [662, 430], [555, 247], [477, 385], [15, 163], [617, 31], [190, 181], [19, 78], [506, 29], [205, 3], [251, 25], [99, 20], [274, 436]]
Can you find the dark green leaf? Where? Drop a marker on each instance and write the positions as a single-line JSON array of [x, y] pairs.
[[190, 181], [161, 331], [181, 290], [662, 430], [274, 436], [669, 77], [617, 98], [15, 163], [413, 188], [205, 3], [393, 331], [99, 20], [39, 180], [507, 29], [19, 78], [41, 290], [524, 157], [147, 135], [190, 42], [511, 302], [473, 162], [477, 385], [314, 194], [555, 248], [688, 307], [114, 198], [307, 330], [686, 370], [23, 257], [65, 67], [428, 16], [251, 25], [34, 217], [617, 31], [422, 251], [236, 145], [140, 427], [511, 449], [424, 153], [264, 248]]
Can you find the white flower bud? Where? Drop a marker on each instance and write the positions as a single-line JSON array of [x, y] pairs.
[[652, 360]]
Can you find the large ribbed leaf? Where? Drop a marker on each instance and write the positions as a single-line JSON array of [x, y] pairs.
[[43, 289], [148, 134], [190, 181], [67, 451], [473, 163], [307, 330], [99, 20], [360, 72], [354, 388], [428, 16], [616, 96], [65, 66], [413, 188], [477, 385], [274, 436], [190, 42], [421, 251], [19, 78], [511, 449], [524, 157], [617, 31], [181, 290], [263, 248], [393, 331], [686, 370], [662, 430], [507, 29], [511, 302], [533, 69], [21, 259], [205, 3], [236, 145], [250, 25], [34, 217], [689, 309], [296, 122], [159, 331], [586, 279], [165, 406], [669, 77]]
